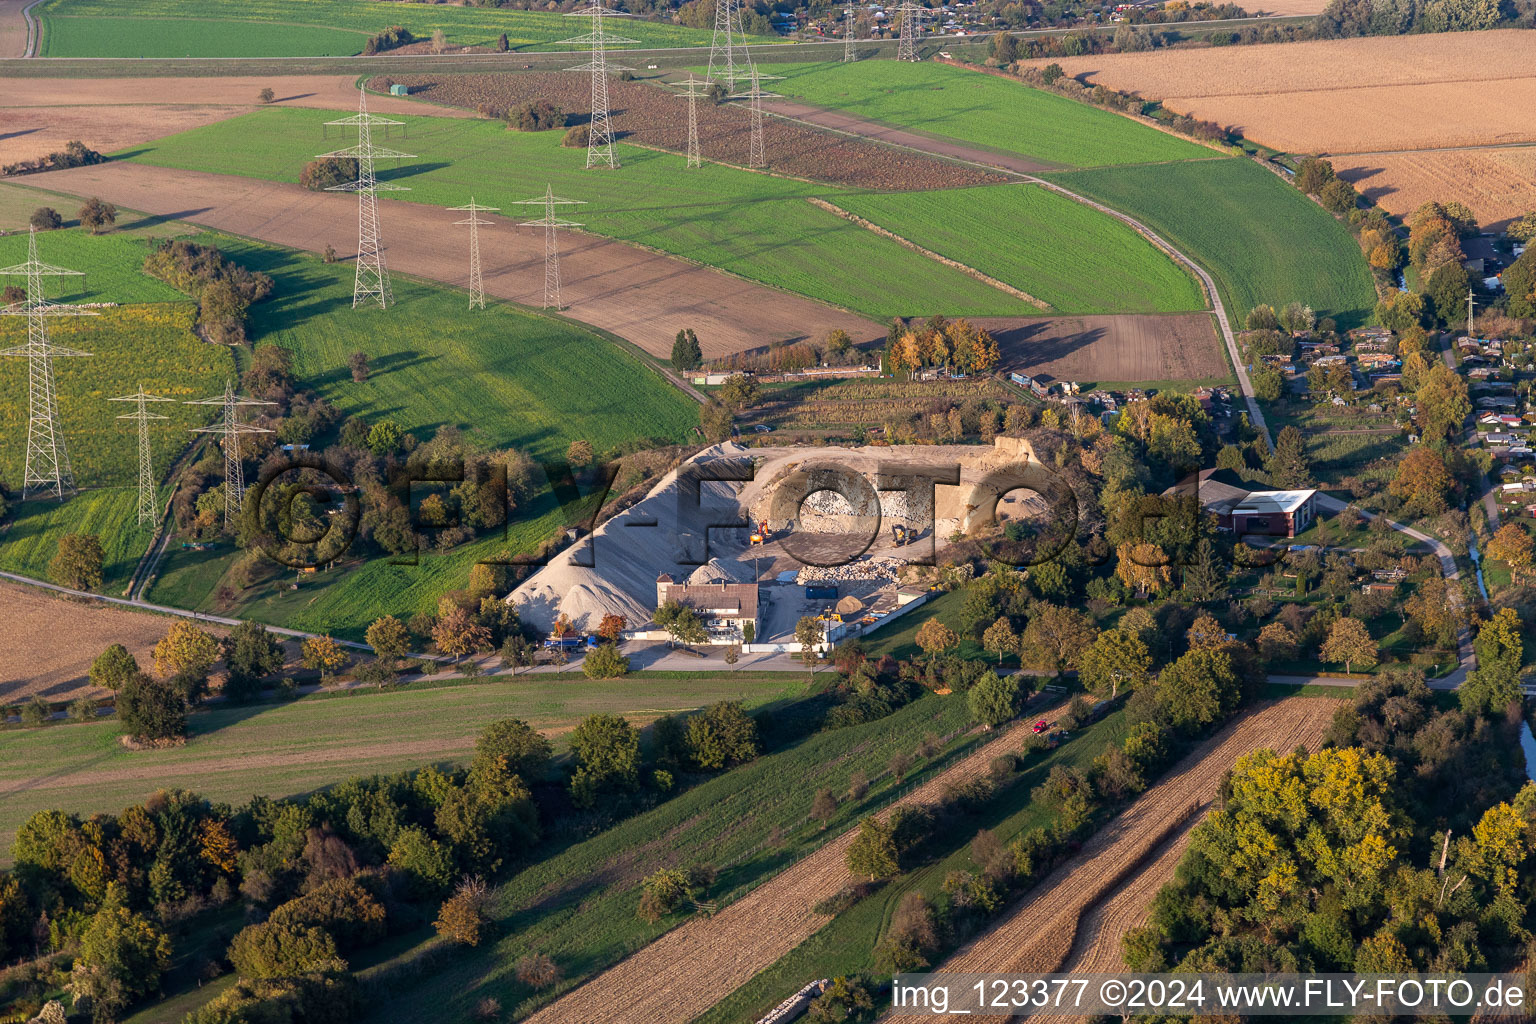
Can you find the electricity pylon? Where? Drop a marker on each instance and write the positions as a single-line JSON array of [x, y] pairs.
[[729, 58], [693, 90], [600, 132], [233, 430], [550, 223], [372, 281], [757, 156], [911, 24], [47, 464], [1470, 333], [848, 35], [146, 471], [476, 285]]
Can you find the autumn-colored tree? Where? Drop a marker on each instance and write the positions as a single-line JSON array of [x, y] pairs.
[[579, 453], [1422, 481], [1512, 545], [935, 638], [1206, 634], [1276, 642], [218, 845], [1143, 567], [322, 654], [1350, 642], [462, 918], [1056, 637], [1442, 403], [185, 648], [611, 626], [389, 638], [1000, 639], [78, 562], [457, 634]]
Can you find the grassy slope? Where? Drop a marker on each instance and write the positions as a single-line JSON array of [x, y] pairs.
[[983, 110], [29, 538], [281, 749], [754, 225], [846, 945], [1260, 239], [283, 28], [579, 906], [505, 376], [1062, 252]]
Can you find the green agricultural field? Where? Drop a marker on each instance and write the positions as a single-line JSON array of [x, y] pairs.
[[505, 376], [1059, 251], [754, 225], [284, 749], [152, 345], [846, 946], [983, 110], [29, 536], [112, 264], [750, 823], [299, 28], [1257, 236]]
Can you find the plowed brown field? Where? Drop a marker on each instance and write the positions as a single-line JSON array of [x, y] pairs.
[[1380, 105], [1123, 347], [1043, 931], [694, 966]]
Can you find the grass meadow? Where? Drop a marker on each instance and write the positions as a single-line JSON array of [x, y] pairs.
[[284, 749], [754, 225], [983, 110], [29, 536], [578, 905], [847, 944], [302, 28], [1057, 250], [1257, 236]]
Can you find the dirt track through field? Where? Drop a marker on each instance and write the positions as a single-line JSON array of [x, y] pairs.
[[1049, 928], [694, 966], [13, 29], [1125, 347], [41, 114], [639, 295]]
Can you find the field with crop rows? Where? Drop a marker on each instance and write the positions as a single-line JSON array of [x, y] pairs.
[[1257, 236], [984, 110], [29, 537], [150, 344], [1057, 250], [280, 749], [295, 28], [506, 377], [112, 264], [753, 225], [750, 823]]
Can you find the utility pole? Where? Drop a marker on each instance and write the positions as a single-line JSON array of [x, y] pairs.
[[146, 470], [600, 132], [371, 284], [476, 284], [1469, 314], [848, 57], [47, 463], [693, 90], [757, 156], [233, 430], [729, 59], [911, 25], [550, 223]]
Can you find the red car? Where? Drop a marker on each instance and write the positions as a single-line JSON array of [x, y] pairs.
[[1041, 726]]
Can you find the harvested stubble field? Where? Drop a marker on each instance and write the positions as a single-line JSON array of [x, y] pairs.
[[1130, 347], [1042, 932], [1382, 106], [107, 114], [651, 114], [689, 969], [51, 641]]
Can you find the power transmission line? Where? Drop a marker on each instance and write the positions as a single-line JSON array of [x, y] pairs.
[[146, 471], [729, 58], [693, 89], [600, 132], [233, 430], [550, 223], [372, 281], [848, 56], [476, 284], [47, 462], [912, 16], [757, 156]]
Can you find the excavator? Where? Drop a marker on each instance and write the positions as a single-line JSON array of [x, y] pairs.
[[900, 535]]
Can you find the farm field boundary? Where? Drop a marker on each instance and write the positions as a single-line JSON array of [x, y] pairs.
[[1108, 348], [1038, 934], [929, 253], [689, 969]]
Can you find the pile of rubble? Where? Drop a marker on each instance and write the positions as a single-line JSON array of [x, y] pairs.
[[876, 568], [893, 505]]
